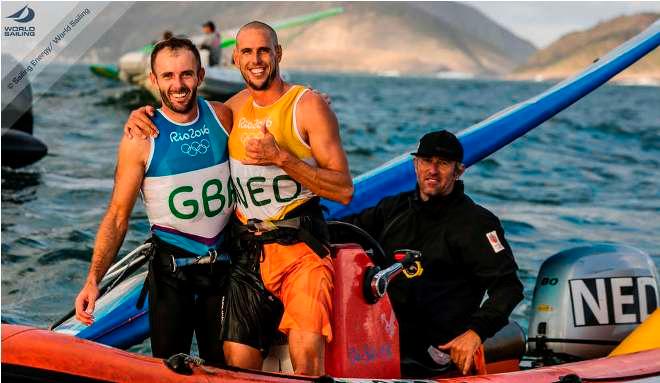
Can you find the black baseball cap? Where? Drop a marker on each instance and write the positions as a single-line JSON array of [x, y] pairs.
[[442, 144]]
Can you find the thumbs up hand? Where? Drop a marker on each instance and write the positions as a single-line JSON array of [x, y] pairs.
[[263, 150]]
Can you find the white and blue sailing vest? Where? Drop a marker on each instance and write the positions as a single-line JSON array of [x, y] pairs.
[[185, 185]]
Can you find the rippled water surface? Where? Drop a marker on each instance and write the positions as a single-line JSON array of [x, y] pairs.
[[588, 175]]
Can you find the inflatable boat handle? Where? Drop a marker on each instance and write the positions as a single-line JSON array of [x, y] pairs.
[[407, 260]]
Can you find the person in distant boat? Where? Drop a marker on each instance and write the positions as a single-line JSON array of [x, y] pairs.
[[464, 255], [211, 41], [183, 177], [285, 153]]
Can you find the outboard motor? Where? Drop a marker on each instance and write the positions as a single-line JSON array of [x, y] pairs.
[[587, 299]]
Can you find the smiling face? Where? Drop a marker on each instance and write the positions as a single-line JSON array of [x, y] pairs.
[[436, 176], [257, 56], [176, 74]]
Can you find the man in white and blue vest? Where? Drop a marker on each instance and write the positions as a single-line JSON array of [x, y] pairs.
[[183, 177]]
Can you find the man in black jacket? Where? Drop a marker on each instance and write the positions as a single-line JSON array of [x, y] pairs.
[[464, 255]]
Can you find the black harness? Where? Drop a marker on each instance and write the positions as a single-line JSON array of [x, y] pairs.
[[303, 224], [177, 258]]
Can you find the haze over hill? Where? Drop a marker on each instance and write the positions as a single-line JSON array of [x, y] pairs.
[[408, 38], [578, 50]]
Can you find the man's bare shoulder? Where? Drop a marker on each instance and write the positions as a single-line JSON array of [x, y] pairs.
[[314, 117], [134, 143], [134, 149], [237, 100], [311, 101], [312, 110], [224, 113], [218, 106]]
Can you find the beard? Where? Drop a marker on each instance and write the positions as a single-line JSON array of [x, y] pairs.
[[185, 108], [266, 84]]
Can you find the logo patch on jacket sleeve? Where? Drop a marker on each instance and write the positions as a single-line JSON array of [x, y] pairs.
[[494, 241]]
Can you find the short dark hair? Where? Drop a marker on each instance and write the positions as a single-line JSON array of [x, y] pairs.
[[210, 25], [263, 26], [175, 43]]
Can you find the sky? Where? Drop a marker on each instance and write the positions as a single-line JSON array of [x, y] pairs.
[[541, 23]]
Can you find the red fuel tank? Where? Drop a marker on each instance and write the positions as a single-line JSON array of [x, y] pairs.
[[366, 336]]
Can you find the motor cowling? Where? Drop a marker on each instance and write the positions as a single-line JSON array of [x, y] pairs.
[[587, 299]]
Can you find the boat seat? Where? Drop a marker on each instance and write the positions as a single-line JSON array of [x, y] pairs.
[[413, 368], [506, 344]]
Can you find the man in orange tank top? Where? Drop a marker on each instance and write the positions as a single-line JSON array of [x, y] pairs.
[[285, 152]]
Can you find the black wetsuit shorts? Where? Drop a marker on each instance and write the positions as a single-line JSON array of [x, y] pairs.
[[184, 302], [251, 314]]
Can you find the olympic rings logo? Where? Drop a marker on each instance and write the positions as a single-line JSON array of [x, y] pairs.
[[195, 148]]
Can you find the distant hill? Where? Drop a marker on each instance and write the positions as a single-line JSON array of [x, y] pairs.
[[578, 50], [411, 38], [408, 38]]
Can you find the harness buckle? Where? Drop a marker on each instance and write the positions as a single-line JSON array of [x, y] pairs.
[[257, 227], [173, 263], [213, 254]]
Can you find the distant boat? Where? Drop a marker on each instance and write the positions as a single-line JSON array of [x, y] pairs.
[[452, 75], [640, 81], [107, 71], [224, 80], [220, 81], [389, 73]]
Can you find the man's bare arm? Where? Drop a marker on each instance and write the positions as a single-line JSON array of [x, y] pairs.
[[331, 179], [129, 174]]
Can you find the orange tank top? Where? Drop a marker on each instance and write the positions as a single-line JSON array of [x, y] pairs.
[[267, 192]]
